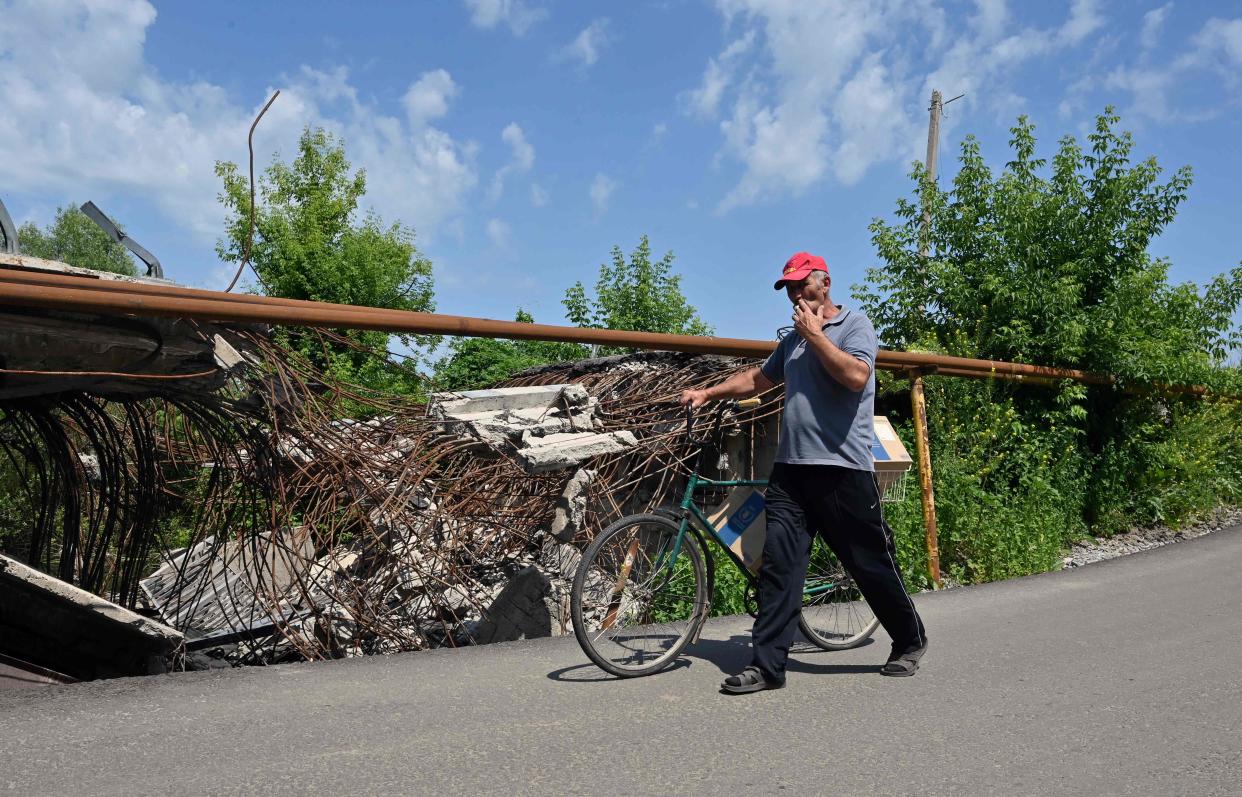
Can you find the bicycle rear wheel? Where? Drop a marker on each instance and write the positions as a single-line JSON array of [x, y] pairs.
[[835, 616], [634, 605]]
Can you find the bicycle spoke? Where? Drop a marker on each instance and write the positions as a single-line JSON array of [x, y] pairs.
[[834, 613], [635, 603]]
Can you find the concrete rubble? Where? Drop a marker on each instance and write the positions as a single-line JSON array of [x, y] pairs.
[[54, 631], [227, 611], [227, 585], [483, 551], [310, 534], [545, 427], [455, 522], [570, 515]]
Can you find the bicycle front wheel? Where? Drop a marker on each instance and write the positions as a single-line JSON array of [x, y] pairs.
[[638, 596], [835, 616]]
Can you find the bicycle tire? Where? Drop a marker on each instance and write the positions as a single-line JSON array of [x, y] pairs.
[[837, 617], [635, 619]]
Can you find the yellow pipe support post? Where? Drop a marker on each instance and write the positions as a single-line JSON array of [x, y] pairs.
[[922, 445]]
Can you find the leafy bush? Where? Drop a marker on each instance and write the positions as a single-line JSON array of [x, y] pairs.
[[1050, 266]]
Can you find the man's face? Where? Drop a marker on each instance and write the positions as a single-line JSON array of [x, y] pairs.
[[813, 290]]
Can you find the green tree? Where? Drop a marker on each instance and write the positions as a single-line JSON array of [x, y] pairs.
[[473, 363], [309, 243], [1049, 264], [74, 239], [1052, 269], [636, 295]]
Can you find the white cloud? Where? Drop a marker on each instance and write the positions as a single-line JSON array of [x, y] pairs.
[[1217, 47], [1149, 87], [538, 196], [991, 17], [516, 14], [521, 160], [586, 45], [1219, 41], [1153, 24], [523, 152], [704, 100], [1084, 19], [868, 104], [87, 117], [601, 192], [794, 112], [428, 98], [500, 234]]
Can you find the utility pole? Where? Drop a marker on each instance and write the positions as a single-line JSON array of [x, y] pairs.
[[918, 404], [933, 146]]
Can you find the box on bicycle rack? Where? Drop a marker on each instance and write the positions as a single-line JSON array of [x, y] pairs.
[[741, 523], [892, 463]]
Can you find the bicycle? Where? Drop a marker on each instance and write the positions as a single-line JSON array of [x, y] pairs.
[[644, 586]]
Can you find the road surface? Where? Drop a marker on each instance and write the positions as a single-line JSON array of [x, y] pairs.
[[1116, 678]]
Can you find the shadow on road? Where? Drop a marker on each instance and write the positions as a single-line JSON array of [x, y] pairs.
[[589, 673], [732, 655], [729, 656]]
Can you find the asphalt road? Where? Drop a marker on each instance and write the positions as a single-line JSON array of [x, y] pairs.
[[1115, 678]]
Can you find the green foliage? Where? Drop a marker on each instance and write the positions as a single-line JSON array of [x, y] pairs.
[[633, 295], [731, 587], [310, 244], [1048, 264], [17, 510], [1052, 269], [1174, 463], [478, 362], [636, 295], [74, 239], [1008, 492]]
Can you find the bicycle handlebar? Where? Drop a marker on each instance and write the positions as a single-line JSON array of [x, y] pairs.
[[741, 404]]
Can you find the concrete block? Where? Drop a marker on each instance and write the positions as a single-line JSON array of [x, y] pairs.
[[474, 403], [556, 451], [570, 512], [56, 625], [520, 611]]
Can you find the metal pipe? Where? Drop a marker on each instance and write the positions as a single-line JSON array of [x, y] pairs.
[[321, 314], [123, 296]]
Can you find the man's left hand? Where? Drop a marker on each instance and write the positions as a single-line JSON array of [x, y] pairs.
[[809, 323]]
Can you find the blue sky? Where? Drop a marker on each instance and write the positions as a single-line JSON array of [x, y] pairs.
[[522, 139]]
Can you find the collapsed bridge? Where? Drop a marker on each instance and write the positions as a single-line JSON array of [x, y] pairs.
[[291, 516], [212, 477]]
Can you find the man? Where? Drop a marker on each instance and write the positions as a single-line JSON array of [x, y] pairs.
[[823, 478]]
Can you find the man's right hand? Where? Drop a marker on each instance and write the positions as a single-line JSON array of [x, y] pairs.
[[694, 398]]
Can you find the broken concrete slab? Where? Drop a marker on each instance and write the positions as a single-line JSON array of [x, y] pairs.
[[570, 512], [520, 610], [544, 427], [474, 403], [228, 586], [55, 625], [560, 560], [557, 451]]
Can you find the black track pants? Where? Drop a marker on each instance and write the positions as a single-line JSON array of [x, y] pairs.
[[843, 505]]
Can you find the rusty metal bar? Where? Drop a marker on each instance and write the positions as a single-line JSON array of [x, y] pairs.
[[922, 444], [43, 289], [242, 309]]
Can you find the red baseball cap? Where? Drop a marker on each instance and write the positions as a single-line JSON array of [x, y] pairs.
[[799, 266]]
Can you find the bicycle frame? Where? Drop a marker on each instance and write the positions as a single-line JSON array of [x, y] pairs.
[[688, 512]]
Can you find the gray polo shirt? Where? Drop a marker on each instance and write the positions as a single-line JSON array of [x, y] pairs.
[[826, 423]]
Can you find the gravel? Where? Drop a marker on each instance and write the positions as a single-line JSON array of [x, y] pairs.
[[1144, 539]]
